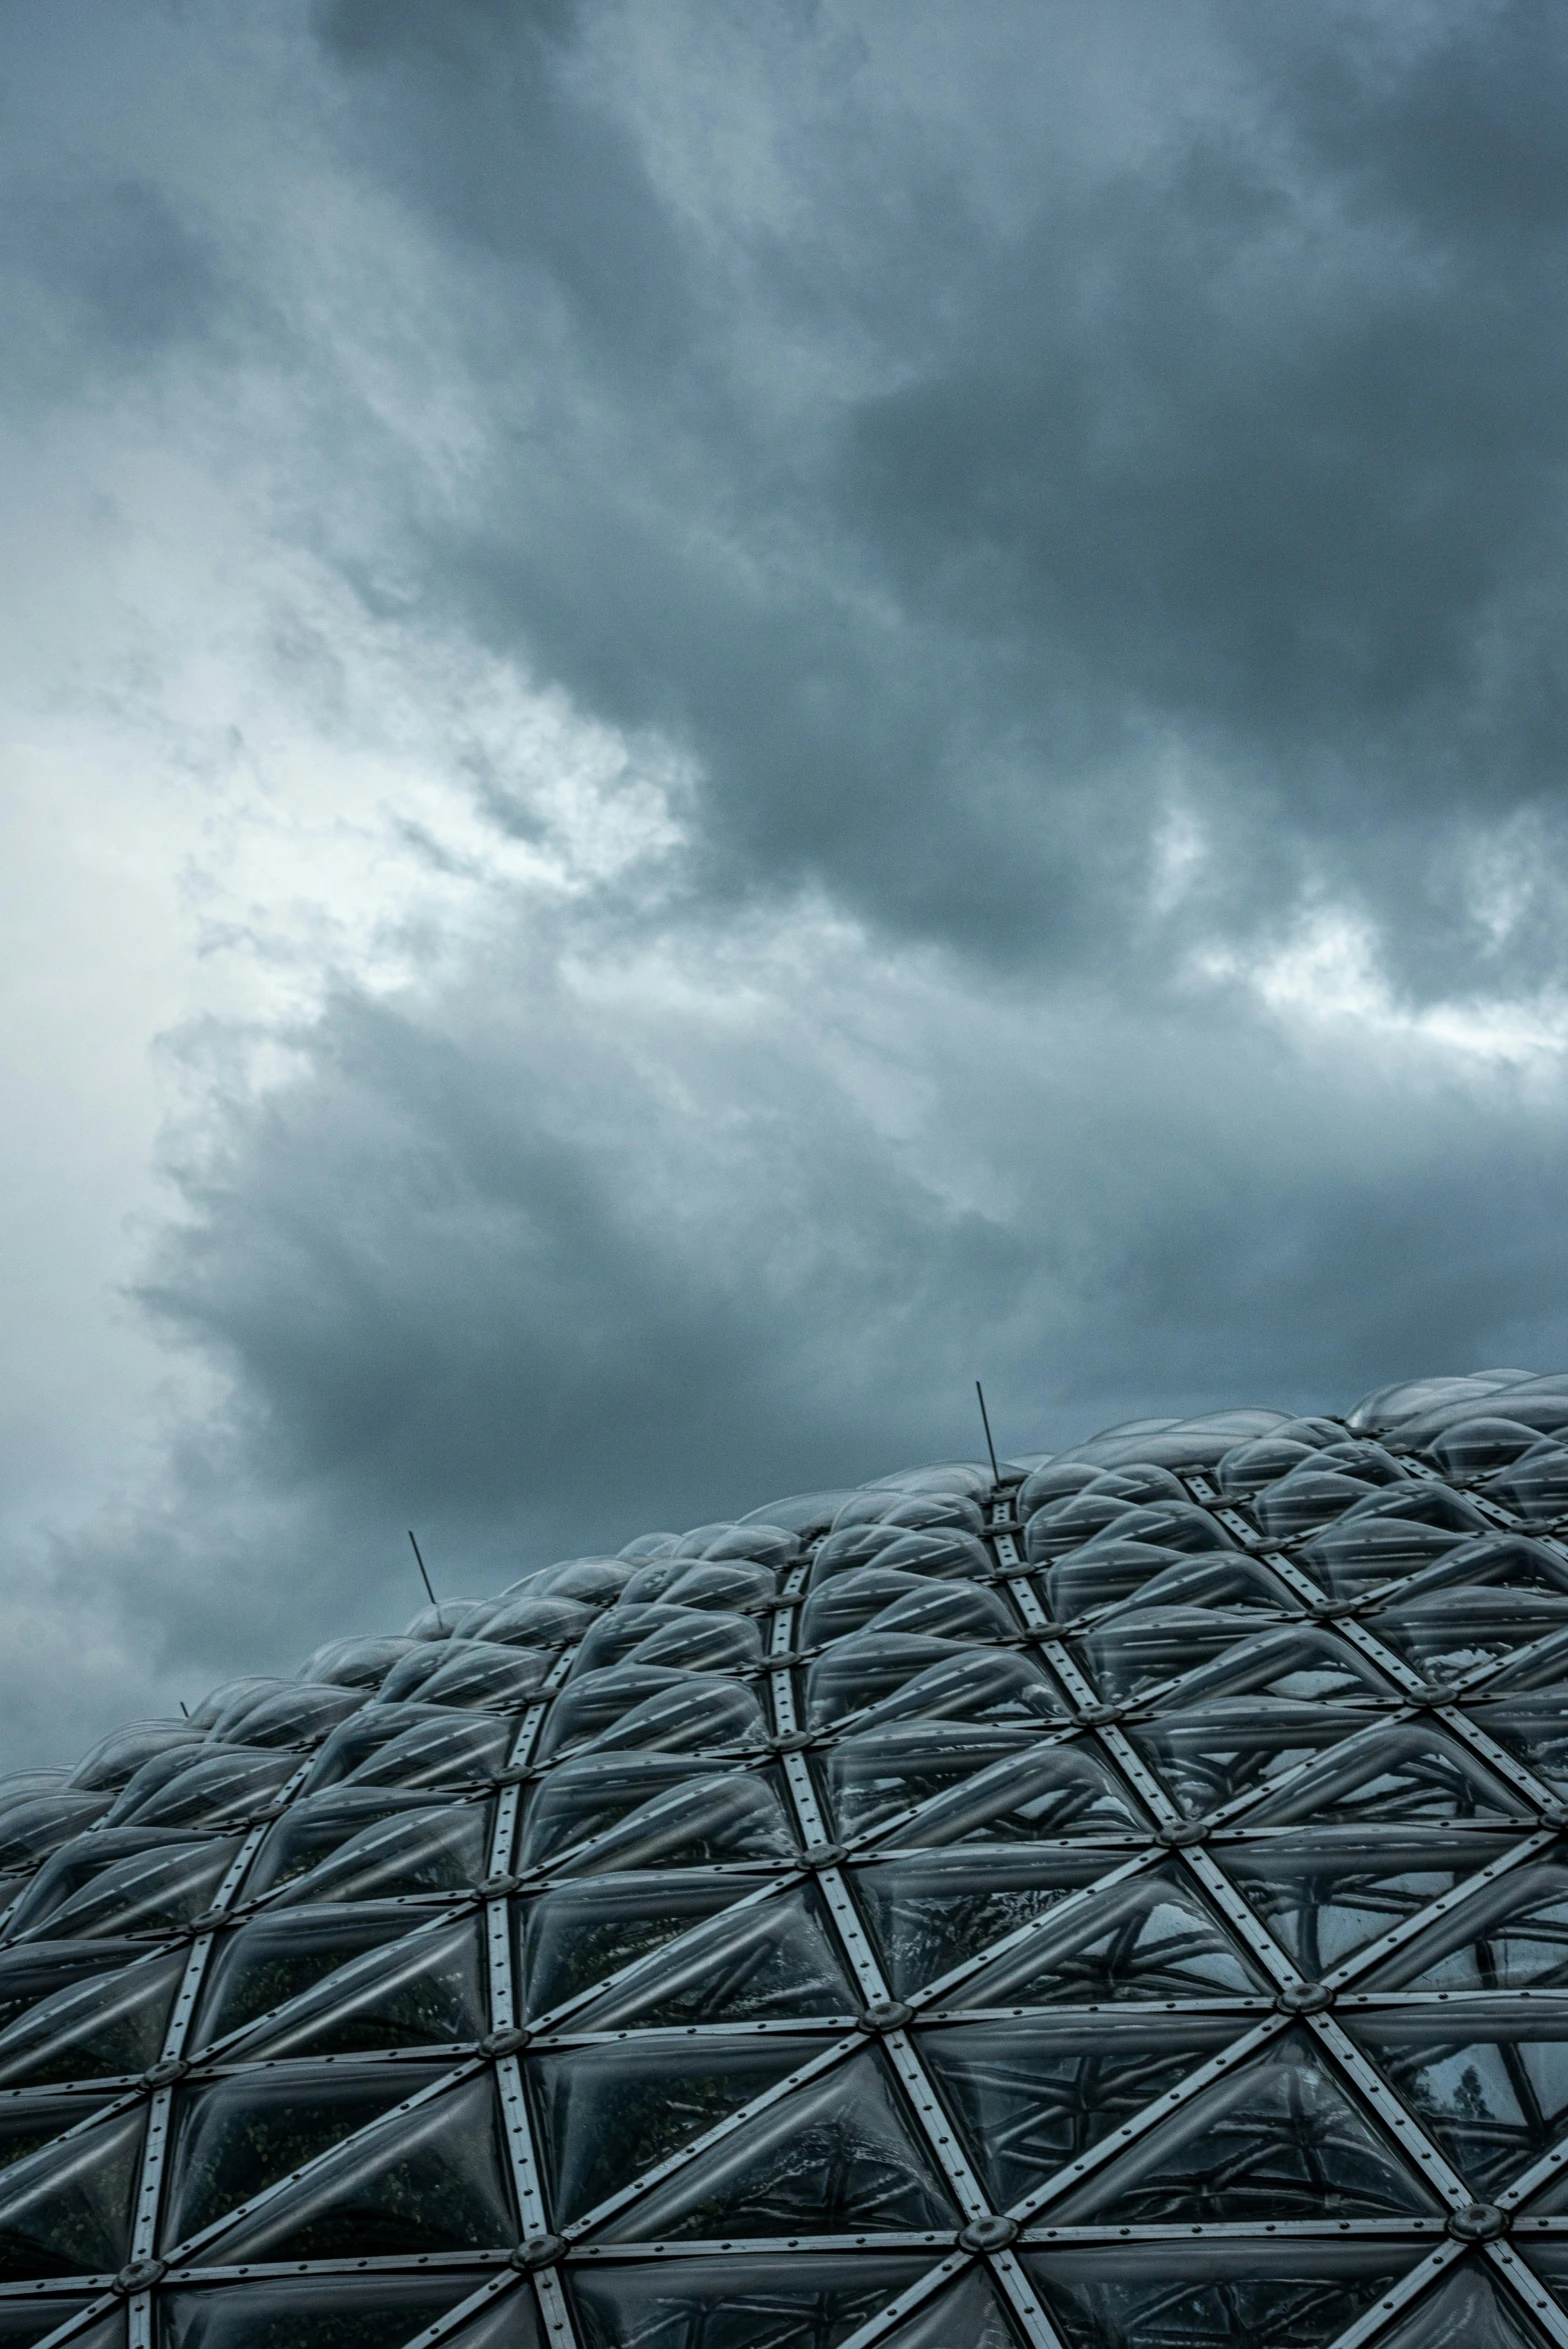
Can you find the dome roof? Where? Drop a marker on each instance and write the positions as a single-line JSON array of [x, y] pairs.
[[1119, 1903]]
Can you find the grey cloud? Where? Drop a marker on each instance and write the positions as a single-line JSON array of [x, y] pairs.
[[1252, 440], [959, 450]]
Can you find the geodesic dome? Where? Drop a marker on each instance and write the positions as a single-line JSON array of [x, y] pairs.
[[1118, 1903]]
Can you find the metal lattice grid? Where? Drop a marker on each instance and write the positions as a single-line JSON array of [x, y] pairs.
[[1119, 1903]]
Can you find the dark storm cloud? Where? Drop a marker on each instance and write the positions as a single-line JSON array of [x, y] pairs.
[[1075, 496], [1251, 440]]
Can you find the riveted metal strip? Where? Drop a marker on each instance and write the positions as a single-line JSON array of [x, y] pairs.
[[1241, 1917], [935, 1993], [1397, 1936], [1377, 2320], [520, 2147], [936, 2128], [1073, 2173], [1028, 2315], [909, 2303], [1406, 2129], [184, 2254], [492, 2289], [732, 2125], [1506, 2262]]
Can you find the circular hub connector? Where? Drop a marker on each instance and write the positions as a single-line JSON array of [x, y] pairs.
[[988, 2234], [886, 2014], [140, 2276], [504, 2042], [1478, 2222], [538, 2251], [1304, 1998]]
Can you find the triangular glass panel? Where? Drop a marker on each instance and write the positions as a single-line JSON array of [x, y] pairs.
[[309, 2312], [606, 2114], [281, 1953], [1087, 1579], [1213, 2293], [649, 1708], [236, 2136], [583, 1932], [152, 1891], [1134, 1648], [1494, 1561], [1209, 1755], [895, 1676], [836, 2157], [1406, 1771], [930, 1910], [109, 2332], [1151, 1936], [430, 2180], [95, 2030], [36, 1970], [971, 2311], [1034, 2093], [508, 2319], [231, 1783], [762, 2300], [1543, 1666], [1468, 2310], [772, 1960], [1449, 1633], [1488, 2079], [991, 1785], [1531, 1724], [66, 2210], [1510, 1935], [1400, 1533], [732, 1815], [583, 1799], [311, 1830], [1327, 1892], [29, 2122], [686, 1639], [425, 1990], [440, 1849], [1299, 1661], [1278, 2138], [1226, 1578]]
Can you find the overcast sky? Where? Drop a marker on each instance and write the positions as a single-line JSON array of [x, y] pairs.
[[716, 713]]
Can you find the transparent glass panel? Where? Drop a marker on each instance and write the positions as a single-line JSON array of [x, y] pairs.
[[1488, 2079], [1153, 1936], [122, 1880], [930, 1911], [66, 2210], [997, 1784], [1327, 1892], [310, 2312], [839, 2156], [772, 1961], [430, 2180], [778, 2300], [1035, 2092], [94, 2030], [643, 1706], [890, 1676], [605, 2115], [1212, 2294], [232, 2138], [582, 1933], [1277, 2138]]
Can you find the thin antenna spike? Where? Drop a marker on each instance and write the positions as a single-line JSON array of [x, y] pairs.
[[985, 1421], [423, 1576]]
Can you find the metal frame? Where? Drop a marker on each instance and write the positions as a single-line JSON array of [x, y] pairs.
[[987, 2236]]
